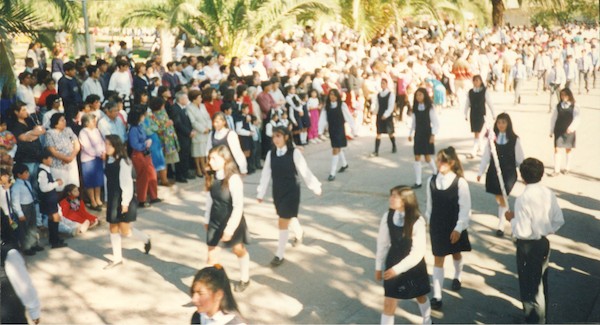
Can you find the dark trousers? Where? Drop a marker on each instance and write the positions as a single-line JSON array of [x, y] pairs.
[[401, 102], [27, 231], [185, 151], [255, 155], [532, 267]]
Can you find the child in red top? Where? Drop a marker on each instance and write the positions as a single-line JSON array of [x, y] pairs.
[[73, 207]]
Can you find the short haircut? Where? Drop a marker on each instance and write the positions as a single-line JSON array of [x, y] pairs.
[[109, 105], [24, 75], [69, 66], [19, 169], [51, 99], [179, 95], [531, 170], [45, 154], [91, 69], [86, 118], [55, 118], [90, 99]]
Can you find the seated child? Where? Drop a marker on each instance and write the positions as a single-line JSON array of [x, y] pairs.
[[73, 208]]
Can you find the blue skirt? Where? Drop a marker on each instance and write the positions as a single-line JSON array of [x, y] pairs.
[[156, 151], [93, 173]]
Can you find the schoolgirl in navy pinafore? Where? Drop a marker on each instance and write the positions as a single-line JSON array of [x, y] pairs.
[[443, 219], [286, 184], [508, 166], [412, 283], [335, 120], [114, 195], [477, 112], [423, 130], [220, 212], [565, 116]]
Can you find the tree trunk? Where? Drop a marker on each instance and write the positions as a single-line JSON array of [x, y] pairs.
[[166, 45], [355, 9], [498, 13]]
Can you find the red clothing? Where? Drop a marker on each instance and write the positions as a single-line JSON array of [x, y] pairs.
[[74, 209], [213, 106], [247, 100], [42, 100], [146, 181]]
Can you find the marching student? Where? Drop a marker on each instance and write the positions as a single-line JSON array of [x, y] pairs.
[[425, 126], [510, 155], [284, 164], [563, 124], [211, 294], [448, 212], [334, 115], [222, 135], [224, 214], [478, 100], [121, 204], [383, 106], [536, 215], [243, 127], [400, 257]]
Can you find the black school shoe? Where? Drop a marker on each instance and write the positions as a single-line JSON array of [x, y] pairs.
[[276, 261], [343, 169], [38, 248], [241, 286], [148, 246], [456, 285], [60, 244], [499, 233], [435, 304], [416, 186], [29, 252], [331, 178]]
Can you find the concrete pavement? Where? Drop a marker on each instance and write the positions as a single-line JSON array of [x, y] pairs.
[[330, 279]]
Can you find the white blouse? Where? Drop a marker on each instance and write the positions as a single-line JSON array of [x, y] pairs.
[[311, 181], [464, 199], [347, 117], [487, 153]]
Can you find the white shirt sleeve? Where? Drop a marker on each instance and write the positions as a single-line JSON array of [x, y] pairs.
[[556, 214], [428, 207], [311, 181], [485, 157], [553, 120], [413, 126], [236, 151], [521, 223], [435, 122], [467, 105], [265, 178], [489, 104], [322, 121], [125, 182], [236, 188], [519, 155], [576, 120], [348, 117], [417, 250], [21, 281], [391, 103], [464, 205], [269, 130], [383, 243], [374, 104], [209, 202]]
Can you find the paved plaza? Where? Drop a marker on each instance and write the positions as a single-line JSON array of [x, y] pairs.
[[330, 279]]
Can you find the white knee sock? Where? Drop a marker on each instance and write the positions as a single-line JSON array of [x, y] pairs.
[[115, 242], [501, 217], [283, 238], [387, 319], [334, 163], [438, 282], [244, 267], [296, 228], [475, 146], [557, 162], [425, 309], [343, 158], [418, 173], [139, 235], [433, 166], [568, 163], [458, 267], [303, 136]]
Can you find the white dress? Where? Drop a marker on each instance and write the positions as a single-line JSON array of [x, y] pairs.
[[200, 120]]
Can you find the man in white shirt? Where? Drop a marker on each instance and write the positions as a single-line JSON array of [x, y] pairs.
[[519, 73], [92, 86], [536, 215], [25, 93], [556, 78]]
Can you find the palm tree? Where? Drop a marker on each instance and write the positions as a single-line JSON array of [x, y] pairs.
[[367, 17], [15, 18], [233, 26], [168, 15]]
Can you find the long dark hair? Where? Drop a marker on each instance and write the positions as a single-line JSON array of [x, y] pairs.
[[411, 208], [448, 155], [510, 133], [426, 99], [337, 95], [215, 279], [120, 148], [230, 167], [289, 143], [569, 94]]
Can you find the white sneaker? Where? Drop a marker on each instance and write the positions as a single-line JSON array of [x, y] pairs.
[[84, 227]]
